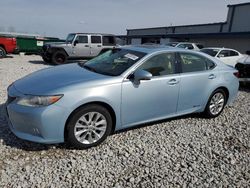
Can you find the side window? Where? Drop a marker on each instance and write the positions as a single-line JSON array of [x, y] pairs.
[[108, 40], [224, 53], [233, 53], [82, 39], [210, 64], [192, 62], [160, 65], [96, 39]]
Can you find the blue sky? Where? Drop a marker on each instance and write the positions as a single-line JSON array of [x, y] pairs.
[[59, 17]]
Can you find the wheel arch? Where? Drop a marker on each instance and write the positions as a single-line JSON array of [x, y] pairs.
[[1, 45], [56, 49], [103, 104], [225, 90]]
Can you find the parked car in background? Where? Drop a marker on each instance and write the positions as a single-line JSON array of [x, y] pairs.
[[226, 55], [78, 46], [82, 103], [243, 66], [8, 45], [186, 45]]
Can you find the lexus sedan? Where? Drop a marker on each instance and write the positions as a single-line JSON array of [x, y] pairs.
[[83, 103]]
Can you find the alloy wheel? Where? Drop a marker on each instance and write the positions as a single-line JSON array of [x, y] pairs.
[[216, 103], [90, 127]]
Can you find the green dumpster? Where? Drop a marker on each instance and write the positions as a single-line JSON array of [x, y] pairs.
[[33, 45]]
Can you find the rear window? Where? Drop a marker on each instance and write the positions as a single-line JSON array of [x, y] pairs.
[[233, 53], [96, 39], [108, 40], [200, 46], [211, 52]]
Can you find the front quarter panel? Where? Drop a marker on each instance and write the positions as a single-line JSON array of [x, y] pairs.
[[110, 94]]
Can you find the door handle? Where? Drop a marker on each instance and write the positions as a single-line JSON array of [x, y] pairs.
[[173, 82], [211, 76], [86, 45], [99, 45]]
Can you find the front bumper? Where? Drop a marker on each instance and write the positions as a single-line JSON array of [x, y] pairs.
[[37, 124]]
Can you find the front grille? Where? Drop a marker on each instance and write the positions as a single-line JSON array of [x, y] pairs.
[[244, 70]]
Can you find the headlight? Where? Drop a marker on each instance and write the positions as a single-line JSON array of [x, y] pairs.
[[38, 101]]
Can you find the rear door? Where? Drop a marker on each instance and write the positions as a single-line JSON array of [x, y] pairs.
[[195, 82], [95, 45]]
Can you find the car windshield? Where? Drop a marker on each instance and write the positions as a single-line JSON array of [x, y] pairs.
[[211, 52], [113, 62], [70, 38], [173, 44]]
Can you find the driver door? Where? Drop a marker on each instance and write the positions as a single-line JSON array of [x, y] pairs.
[[151, 99], [81, 46]]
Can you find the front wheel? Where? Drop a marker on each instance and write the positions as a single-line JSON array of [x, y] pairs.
[[216, 103], [88, 126], [2, 52], [59, 57]]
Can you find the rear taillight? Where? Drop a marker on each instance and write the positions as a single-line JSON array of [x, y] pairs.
[[14, 40], [237, 74]]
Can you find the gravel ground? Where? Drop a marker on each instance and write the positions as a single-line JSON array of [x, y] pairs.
[[184, 152]]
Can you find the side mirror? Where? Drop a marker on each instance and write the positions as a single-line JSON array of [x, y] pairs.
[[141, 75], [75, 42]]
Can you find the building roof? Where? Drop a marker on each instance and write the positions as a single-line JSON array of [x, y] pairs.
[[240, 4]]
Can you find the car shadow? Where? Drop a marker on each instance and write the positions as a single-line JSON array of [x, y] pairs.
[[9, 139], [194, 115], [245, 87], [41, 62]]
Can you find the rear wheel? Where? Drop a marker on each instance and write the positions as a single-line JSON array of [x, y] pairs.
[[2, 52], [89, 126], [216, 103], [59, 57]]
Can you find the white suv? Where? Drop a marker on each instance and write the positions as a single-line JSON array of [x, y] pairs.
[[78, 46], [226, 55]]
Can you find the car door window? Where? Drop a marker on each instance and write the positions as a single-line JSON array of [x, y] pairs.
[[96, 39], [192, 62], [186, 46], [224, 53], [82, 39], [160, 65]]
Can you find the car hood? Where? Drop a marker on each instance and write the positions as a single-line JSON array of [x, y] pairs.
[[48, 80], [57, 44]]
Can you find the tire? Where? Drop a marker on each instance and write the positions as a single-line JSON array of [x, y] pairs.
[[59, 57], [2, 52], [82, 133], [215, 104], [47, 60]]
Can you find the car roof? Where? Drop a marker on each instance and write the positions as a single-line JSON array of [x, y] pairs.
[[216, 48], [106, 34], [149, 48]]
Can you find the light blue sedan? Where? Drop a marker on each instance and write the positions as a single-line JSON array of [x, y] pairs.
[[83, 103]]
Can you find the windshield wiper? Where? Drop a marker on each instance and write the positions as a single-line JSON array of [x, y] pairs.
[[89, 68]]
